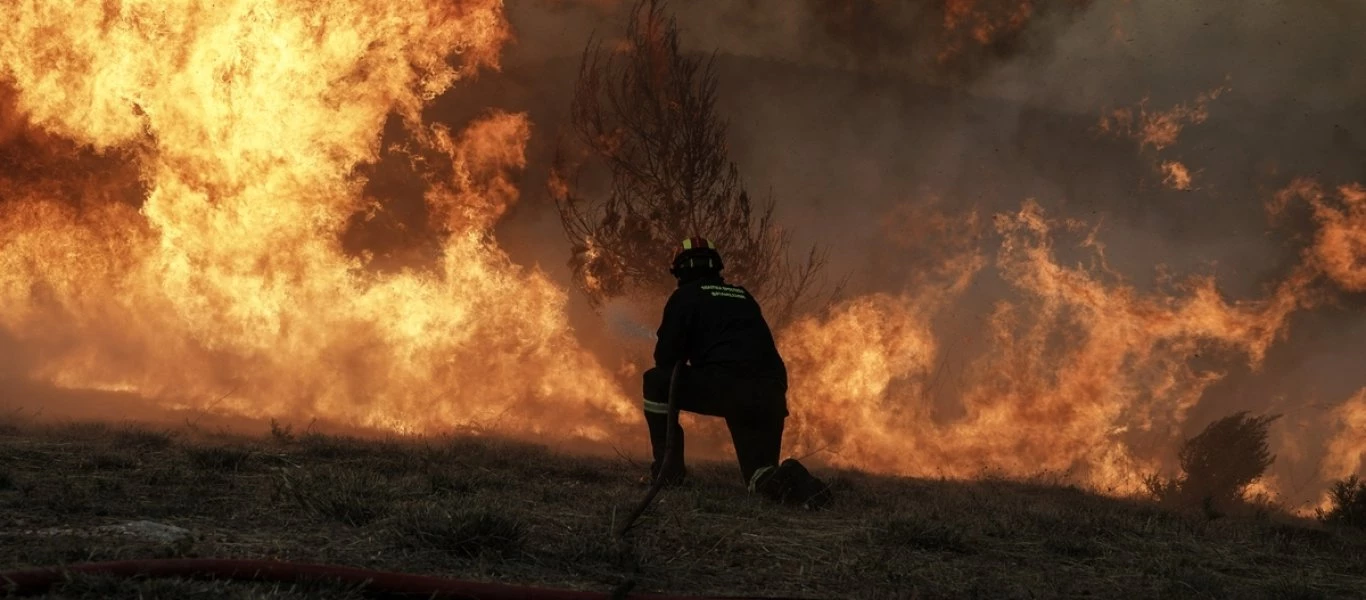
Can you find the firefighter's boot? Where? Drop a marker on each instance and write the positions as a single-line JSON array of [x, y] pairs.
[[791, 484]]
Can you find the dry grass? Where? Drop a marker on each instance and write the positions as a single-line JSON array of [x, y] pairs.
[[450, 527], [494, 510]]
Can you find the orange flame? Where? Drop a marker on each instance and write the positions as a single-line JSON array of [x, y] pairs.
[[246, 120], [245, 123], [1346, 451], [1159, 129], [1339, 247], [984, 23], [1070, 375], [1178, 177]]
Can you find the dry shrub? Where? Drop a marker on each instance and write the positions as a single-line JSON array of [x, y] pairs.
[[1348, 498], [282, 433], [1218, 464]]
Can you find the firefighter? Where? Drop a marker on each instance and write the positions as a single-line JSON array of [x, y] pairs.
[[731, 369]]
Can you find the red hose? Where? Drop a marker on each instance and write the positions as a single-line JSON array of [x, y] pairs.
[[375, 583]]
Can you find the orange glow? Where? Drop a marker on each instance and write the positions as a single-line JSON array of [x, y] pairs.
[[982, 22], [1346, 454], [1339, 247], [195, 165], [246, 120], [1071, 370], [1158, 129], [1177, 176]]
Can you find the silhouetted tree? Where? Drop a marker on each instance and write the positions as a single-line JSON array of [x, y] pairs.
[[1218, 464], [647, 111]]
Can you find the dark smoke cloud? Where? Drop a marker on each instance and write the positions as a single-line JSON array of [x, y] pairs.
[[941, 40], [1275, 55], [844, 104]]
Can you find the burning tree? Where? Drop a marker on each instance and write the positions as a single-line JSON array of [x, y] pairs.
[[647, 111]]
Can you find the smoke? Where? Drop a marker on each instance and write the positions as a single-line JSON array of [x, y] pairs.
[[885, 133], [617, 314], [1277, 55], [1014, 261]]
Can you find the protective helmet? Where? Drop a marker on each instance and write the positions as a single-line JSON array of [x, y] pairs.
[[697, 253]]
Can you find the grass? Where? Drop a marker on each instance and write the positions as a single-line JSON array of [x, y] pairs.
[[457, 530], [495, 510]]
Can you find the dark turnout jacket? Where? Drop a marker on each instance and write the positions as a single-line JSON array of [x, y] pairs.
[[710, 323]]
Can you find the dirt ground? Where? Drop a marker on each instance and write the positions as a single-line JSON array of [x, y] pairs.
[[494, 510]]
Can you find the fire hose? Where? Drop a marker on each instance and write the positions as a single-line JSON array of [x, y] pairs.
[[375, 583], [671, 423]]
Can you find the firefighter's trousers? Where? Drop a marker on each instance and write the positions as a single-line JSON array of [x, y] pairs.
[[754, 407]]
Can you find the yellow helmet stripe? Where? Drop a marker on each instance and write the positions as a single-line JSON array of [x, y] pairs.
[[698, 242]]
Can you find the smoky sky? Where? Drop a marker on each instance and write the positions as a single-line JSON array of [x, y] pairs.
[[844, 111], [840, 126]]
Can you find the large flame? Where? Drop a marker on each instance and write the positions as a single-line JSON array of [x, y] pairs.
[[1075, 370], [1347, 448], [1339, 246], [185, 171], [246, 121]]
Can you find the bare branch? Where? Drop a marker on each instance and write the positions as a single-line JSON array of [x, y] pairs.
[[647, 113]]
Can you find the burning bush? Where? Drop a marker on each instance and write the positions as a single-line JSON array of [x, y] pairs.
[[1218, 464], [1348, 498]]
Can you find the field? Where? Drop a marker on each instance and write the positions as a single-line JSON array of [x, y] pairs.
[[494, 510]]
